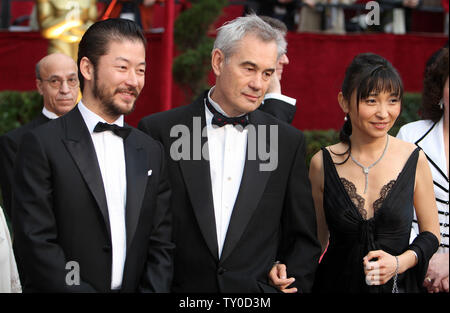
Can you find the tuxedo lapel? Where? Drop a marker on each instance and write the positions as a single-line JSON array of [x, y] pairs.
[[197, 177], [252, 186], [137, 174], [79, 144]]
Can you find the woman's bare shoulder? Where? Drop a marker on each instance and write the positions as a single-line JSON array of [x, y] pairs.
[[402, 148]]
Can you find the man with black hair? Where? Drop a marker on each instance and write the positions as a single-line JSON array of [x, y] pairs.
[[91, 196]]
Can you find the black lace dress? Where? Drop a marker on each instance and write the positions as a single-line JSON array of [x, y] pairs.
[[352, 235]]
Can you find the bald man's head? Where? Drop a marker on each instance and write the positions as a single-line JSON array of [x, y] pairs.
[[57, 82]]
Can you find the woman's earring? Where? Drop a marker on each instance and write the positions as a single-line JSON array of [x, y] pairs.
[[441, 104], [345, 118]]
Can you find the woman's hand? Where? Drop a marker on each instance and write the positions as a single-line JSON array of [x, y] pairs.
[[379, 272]]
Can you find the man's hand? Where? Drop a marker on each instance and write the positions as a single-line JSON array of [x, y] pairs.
[[437, 272], [444, 284], [278, 278], [274, 86]]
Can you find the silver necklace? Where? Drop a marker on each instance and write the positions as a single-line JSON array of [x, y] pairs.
[[366, 169]]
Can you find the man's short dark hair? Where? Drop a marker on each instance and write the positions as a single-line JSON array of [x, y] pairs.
[[96, 40]]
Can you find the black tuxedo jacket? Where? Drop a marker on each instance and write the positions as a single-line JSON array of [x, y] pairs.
[[9, 144], [273, 217], [60, 212]]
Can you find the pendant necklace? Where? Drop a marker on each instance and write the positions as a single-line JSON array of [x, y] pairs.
[[366, 169]]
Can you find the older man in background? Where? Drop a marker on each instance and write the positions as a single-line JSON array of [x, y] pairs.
[[57, 82]]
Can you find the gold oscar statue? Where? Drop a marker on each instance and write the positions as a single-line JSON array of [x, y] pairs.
[[64, 22]]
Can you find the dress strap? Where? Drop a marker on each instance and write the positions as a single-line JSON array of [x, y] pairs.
[[327, 160]]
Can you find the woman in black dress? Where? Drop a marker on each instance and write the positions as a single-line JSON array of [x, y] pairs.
[[365, 189]]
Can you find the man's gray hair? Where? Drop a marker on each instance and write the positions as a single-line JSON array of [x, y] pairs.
[[229, 35]]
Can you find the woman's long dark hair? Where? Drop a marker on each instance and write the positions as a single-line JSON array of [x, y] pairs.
[[366, 74], [433, 86]]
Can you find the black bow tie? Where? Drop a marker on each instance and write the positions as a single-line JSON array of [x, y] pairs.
[[116, 129], [221, 120]]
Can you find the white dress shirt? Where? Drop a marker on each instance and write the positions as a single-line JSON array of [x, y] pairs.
[[111, 159], [49, 114], [227, 147]]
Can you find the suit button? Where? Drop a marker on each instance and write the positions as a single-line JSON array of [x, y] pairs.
[[107, 248], [221, 270]]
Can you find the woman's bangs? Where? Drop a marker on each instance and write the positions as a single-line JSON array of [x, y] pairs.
[[381, 81]]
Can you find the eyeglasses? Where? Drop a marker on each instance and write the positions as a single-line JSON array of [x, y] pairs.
[[57, 82]]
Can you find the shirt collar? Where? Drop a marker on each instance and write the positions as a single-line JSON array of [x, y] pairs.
[[91, 119], [215, 104], [49, 114]]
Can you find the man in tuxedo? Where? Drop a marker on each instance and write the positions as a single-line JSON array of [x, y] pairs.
[[275, 103], [57, 82], [91, 195], [236, 213]]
